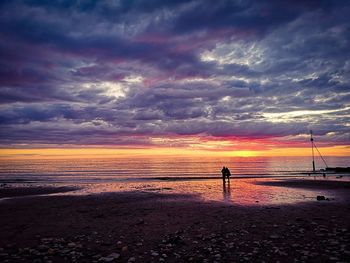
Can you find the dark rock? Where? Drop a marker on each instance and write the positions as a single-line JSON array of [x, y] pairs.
[[320, 198]]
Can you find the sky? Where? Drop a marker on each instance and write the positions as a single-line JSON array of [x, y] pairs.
[[231, 77]]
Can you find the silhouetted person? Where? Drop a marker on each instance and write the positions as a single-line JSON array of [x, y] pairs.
[[223, 171], [228, 174]]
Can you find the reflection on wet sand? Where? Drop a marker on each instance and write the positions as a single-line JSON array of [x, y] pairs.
[[239, 192], [227, 191]]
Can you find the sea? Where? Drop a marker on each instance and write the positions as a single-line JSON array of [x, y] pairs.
[[89, 170]]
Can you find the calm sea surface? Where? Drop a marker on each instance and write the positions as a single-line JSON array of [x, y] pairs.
[[142, 168]]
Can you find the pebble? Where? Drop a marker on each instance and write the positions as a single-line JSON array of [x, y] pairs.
[[114, 255], [71, 244], [205, 247], [105, 259]]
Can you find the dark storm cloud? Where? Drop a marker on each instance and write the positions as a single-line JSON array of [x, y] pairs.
[[252, 16], [77, 72]]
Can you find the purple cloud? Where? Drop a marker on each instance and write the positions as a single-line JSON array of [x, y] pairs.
[[91, 72]]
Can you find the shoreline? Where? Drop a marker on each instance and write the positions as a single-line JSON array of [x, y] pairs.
[[338, 177]]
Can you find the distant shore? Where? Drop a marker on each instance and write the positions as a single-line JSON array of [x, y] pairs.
[[153, 227]]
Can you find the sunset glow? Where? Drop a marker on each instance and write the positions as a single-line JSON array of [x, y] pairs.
[[116, 153]]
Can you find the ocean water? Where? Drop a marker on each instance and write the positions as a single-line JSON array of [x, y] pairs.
[[198, 178], [152, 168]]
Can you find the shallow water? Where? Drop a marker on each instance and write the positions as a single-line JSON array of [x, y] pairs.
[[240, 191]]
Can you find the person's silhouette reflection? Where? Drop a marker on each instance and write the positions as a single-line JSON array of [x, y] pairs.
[[226, 191]]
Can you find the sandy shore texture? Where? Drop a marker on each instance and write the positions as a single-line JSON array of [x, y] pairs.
[[151, 227]]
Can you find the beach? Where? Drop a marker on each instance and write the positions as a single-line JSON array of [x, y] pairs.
[[121, 120], [164, 225]]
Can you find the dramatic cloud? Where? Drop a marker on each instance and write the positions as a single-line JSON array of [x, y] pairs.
[[130, 72]]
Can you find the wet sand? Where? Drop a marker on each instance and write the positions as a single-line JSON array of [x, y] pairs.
[[26, 191], [143, 226], [308, 183]]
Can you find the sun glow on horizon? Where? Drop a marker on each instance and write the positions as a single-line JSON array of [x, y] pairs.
[[60, 153]]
